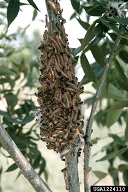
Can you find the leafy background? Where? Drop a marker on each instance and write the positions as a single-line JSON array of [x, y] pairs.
[[18, 81]]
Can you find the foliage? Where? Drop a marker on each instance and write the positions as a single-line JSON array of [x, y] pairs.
[[14, 7], [110, 21], [18, 68]]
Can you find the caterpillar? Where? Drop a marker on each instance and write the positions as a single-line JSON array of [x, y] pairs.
[[58, 93], [53, 6]]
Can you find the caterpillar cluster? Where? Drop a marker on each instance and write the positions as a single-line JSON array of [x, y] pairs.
[[58, 95]]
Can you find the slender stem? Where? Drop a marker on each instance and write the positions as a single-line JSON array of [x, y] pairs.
[[26, 169], [87, 136]]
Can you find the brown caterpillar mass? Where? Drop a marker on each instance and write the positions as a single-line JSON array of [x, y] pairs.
[[59, 110]]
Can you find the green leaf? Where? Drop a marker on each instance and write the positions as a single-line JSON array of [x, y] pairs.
[[85, 25], [1, 170], [114, 28], [117, 139], [7, 1], [7, 80], [115, 93], [76, 51], [111, 26], [7, 122], [124, 56], [12, 10], [3, 5], [121, 167], [126, 134], [123, 21], [89, 35], [27, 107], [112, 117], [112, 155], [10, 119], [11, 100], [12, 168], [124, 156], [100, 174], [107, 46], [18, 175], [34, 14], [120, 70], [98, 29], [95, 140], [87, 68], [31, 2], [120, 105], [113, 36], [85, 80], [105, 28], [114, 173], [98, 55], [123, 85], [28, 119], [73, 16], [86, 49], [80, 40], [34, 151], [37, 161], [93, 42], [46, 175], [21, 4], [97, 69], [94, 10], [6, 72], [125, 176], [42, 167], [75, 5]]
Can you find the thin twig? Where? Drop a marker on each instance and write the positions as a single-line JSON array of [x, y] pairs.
[[87, 136], [26, 169]]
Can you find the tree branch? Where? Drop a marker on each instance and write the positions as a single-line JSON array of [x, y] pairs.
[[26, 169], [71, 162], [87, 136]]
